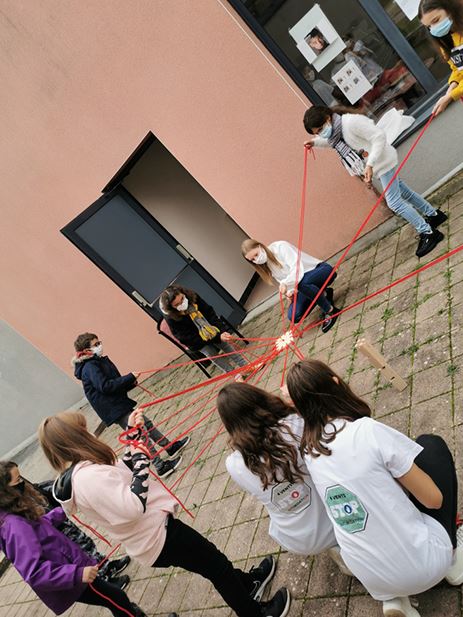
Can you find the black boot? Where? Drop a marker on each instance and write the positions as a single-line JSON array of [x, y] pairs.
[[428, 242], [436, 220]]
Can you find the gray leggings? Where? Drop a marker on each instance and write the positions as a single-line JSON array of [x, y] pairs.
[[224, 363]]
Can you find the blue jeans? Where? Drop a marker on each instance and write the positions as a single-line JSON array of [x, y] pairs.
[[403, 201], [308, 287]]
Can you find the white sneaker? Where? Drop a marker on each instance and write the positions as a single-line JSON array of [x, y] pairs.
[[454, 575], [399, 607], [335, 554]]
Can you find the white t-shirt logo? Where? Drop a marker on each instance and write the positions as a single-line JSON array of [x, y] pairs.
[[291, 497], [346, 509]]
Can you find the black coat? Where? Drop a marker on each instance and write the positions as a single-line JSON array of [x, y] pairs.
[[187, 333], [105, 388]]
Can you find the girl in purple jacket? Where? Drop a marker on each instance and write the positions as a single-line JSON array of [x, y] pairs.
[[56, 568]]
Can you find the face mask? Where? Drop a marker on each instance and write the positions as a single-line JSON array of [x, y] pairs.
[[183, 305], [442, 28], [326, 131], [20, 487], [261, 258], [97, 350]]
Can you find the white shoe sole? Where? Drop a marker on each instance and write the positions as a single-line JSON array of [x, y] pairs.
[[260, 592], [397, 612], [170, 472], [287, 607], [171, 456]]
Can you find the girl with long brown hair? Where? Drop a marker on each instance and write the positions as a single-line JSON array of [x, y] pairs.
[[396, 544], [444, 21], [280, 262], [264, 435], [56, 568], [138, 512]]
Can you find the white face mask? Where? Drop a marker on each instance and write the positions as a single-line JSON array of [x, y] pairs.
[[183, 304], [97, 350], [261, 258]]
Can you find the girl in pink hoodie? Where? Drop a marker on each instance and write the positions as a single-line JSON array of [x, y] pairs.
[[138, 512]]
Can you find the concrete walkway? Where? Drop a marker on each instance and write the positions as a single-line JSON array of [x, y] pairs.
[[418, 325]]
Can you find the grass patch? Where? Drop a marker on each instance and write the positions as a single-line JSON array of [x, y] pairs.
[[387, 314], [452, 369]]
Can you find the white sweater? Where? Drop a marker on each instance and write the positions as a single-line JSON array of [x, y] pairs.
[[286, 254], [361, 133]]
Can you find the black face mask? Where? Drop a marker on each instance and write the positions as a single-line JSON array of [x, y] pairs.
[[20, 487]]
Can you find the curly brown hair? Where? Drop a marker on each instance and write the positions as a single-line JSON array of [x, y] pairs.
[[30, 504], [169, 294], [252, 419]]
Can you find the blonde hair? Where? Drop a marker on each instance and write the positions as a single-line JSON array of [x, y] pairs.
[[263, 270], [65, 440]]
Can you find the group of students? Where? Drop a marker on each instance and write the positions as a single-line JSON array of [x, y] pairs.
[[331, 478]]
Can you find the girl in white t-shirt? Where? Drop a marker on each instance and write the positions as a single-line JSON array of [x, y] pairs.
[[264, 434], [396, 543], [279, 262]]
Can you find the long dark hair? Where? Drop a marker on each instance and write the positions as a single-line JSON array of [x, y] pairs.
[[252, 418], [169, 294], [455, 10], [30, 504], [65, 440], [316, 116], [321, 396]]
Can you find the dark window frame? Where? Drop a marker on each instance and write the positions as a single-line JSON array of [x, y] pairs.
[[375, 11]]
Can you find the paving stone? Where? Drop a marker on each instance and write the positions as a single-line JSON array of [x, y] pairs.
[[332, 607], [364, 606], [240, 540], [431, 382], [326, 577]]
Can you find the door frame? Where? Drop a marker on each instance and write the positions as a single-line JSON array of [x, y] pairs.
[[70, 232]]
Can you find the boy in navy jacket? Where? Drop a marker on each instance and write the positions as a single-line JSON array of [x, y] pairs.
[[106, 391]]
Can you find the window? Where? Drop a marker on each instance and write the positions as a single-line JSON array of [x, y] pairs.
[[355, 52]]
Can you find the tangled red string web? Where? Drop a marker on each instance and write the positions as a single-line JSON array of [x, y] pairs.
[[262, 350]]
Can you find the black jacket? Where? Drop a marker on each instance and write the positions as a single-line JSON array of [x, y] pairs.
[[187, 333], [104, 387]]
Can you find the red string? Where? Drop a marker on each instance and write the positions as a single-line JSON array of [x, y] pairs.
[[97, 533], [205, 359], [387, 287], [301, 234], [111, 601]]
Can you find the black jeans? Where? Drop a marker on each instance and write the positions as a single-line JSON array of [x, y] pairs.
[[436, 460], [110, 591], [186, 548]]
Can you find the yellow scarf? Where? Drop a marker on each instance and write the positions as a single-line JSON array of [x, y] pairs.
[[205, 330]]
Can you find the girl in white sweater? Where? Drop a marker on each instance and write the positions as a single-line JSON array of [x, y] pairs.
[[279, 262], [351, 134]]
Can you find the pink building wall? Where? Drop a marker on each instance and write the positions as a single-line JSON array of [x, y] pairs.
[[82, 84]]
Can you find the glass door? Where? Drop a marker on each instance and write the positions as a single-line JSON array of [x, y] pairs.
[[141, 257]]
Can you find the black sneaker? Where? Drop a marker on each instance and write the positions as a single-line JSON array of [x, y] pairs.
[[330, 321], [329, 294], [436, 220], [278, 606], [119, 581], [261, 576], [177, 446], [166, 468], [428, 242], [117, 566]]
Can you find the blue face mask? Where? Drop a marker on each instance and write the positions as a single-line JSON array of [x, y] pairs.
[[442, 28], [326, 131]]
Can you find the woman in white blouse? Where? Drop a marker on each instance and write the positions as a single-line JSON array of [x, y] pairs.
[[279, 262]]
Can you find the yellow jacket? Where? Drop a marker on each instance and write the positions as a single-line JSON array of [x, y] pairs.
[[457, 74]]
